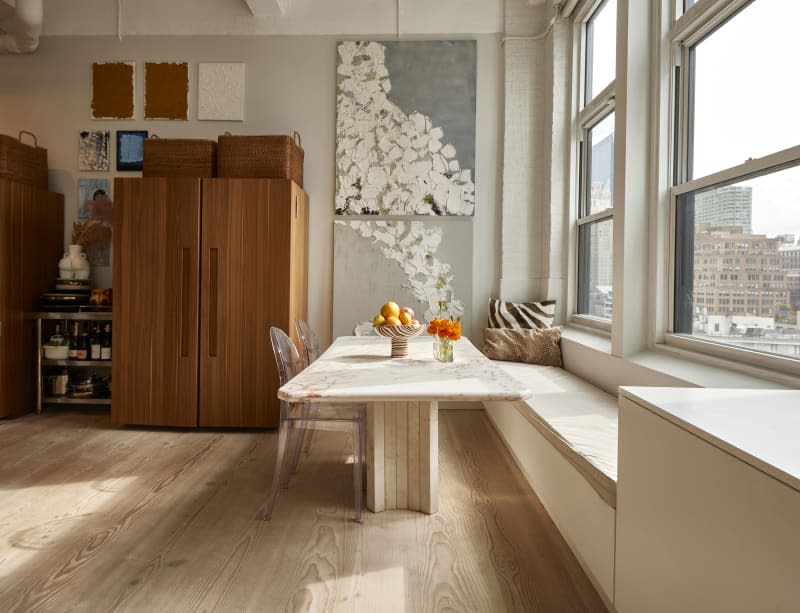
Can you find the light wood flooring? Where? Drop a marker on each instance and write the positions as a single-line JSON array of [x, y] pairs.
[[98, 518]]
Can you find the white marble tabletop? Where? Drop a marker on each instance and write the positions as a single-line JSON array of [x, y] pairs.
[[758, 426], [359, 369]]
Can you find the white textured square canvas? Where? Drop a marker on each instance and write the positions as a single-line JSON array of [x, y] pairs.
[[220, 91]]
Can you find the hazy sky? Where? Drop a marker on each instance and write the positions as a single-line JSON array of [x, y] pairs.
[[747, 100]]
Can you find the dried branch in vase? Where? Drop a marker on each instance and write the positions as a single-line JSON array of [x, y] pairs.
[[90, 232]]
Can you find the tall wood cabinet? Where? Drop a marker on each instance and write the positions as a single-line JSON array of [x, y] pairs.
[[31, 243], [202, 268]]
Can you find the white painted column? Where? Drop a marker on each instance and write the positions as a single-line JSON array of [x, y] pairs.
[[632, 195], [524, 151]]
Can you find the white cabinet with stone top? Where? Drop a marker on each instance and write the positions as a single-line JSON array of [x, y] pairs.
[[708, 501]]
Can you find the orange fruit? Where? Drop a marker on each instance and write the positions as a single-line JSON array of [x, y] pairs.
[[390, 309]]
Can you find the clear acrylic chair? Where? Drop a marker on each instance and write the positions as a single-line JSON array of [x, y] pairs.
[[298, 414], [310, 343]]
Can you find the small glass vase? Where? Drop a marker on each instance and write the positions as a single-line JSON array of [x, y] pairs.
[[443, 349]]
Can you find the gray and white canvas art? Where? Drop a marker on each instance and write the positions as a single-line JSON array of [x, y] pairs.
[[405, 128], [414, 263]]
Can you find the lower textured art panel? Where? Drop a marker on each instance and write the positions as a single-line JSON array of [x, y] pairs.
[[414, 263]]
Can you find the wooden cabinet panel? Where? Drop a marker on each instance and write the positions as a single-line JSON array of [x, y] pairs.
[[298, 299], [41, 248], [239, 283], [156, 297], [10, 280], [31, 239], [201, 270]]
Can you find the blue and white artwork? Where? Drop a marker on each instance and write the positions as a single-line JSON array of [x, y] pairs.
[[130, 149], [405, 128]]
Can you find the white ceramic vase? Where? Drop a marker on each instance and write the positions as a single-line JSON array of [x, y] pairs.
[[78, 263], [65, 268]]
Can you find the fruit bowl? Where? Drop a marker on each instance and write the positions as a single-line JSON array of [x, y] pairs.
[[400, 335]]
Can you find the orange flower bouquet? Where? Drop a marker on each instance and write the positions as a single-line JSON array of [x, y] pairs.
[[445, 332]]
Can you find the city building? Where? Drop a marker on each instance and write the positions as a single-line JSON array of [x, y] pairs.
[[731, 205], [737, 274], [790, 259]]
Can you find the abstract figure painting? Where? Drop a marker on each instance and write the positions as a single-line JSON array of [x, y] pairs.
[[415, 263], [94, 227], [113, 90], [166, 90], [405, 128], [220, 91], [90, 192], [94, 150]]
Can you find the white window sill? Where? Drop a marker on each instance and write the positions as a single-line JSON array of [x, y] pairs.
[[661, 366]]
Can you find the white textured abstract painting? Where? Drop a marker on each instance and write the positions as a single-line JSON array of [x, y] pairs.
[[220, 91], [405, 128], [415, 263]]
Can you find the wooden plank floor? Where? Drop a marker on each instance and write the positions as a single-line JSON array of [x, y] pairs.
[[98, 518]]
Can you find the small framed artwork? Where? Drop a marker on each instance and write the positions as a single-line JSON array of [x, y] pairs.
[[94, 150], [93, 196], [130, 149]]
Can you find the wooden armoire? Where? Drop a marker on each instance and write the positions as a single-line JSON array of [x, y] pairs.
[[31, 243], [202, 269]]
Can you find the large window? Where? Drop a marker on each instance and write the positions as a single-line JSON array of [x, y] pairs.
[[737, 243], [596, 164]]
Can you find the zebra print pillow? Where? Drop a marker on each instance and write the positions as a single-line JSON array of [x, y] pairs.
[[522, 316]]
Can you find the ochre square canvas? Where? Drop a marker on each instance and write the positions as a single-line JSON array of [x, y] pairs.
[[166, 90], [113, 90]]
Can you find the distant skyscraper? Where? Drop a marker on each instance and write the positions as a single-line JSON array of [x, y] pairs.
[[725, 206]]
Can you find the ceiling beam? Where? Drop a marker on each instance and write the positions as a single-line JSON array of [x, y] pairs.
[[266, 8]]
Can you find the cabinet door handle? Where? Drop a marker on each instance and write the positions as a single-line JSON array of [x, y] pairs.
[[213, 297], [186, 280]]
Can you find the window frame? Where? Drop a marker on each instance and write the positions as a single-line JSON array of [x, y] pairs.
[[588, 114], [689, 29]]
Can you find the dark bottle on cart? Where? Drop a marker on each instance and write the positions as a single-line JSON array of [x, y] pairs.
[[94, 343], [72, 353], [105, 343], [83, 346]]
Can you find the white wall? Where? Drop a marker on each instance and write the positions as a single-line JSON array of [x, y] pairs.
[[290, 85], [307, 17]]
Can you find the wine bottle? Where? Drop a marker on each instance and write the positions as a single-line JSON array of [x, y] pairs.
[[72, 353], [105, 343], [83, 346], [94, 343]]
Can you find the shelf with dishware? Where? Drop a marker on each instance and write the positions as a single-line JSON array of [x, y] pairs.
[[73, 358]]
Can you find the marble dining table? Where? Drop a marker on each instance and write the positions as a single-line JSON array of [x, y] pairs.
[[402, 396]]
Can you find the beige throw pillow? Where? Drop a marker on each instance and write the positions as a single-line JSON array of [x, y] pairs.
[[531, 346]]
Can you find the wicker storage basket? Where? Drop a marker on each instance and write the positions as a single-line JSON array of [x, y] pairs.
[[21, 162], [179, 157], [273, 157]]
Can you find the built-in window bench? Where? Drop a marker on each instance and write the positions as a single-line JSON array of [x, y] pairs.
[[564, 438], [704, 515]]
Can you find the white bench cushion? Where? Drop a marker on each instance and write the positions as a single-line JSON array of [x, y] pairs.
[[577, 418]]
